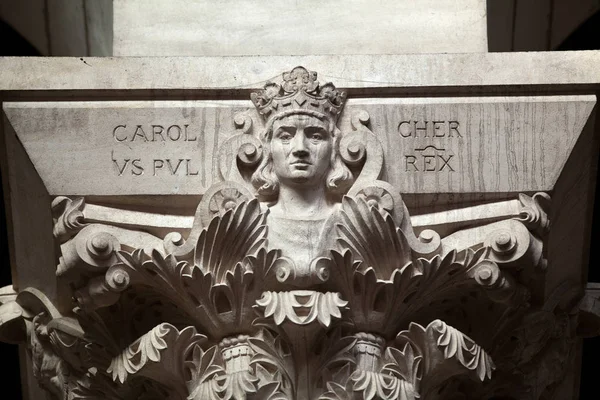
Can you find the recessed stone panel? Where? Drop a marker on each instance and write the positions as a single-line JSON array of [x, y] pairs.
[[445, 145]]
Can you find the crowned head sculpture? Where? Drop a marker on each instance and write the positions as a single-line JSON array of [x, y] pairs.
[[300, 136], [307, 295], [301, 170]]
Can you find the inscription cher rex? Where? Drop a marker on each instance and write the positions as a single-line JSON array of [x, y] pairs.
[[429, 157]]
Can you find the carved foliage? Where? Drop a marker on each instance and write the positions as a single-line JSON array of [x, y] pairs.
[[206, 317]]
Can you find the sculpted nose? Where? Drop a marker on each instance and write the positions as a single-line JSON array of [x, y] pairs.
[[299, 145]]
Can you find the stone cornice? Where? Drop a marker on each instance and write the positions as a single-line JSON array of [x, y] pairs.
[[65, 78]]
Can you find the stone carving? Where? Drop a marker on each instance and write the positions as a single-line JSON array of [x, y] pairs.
[[301, 278]]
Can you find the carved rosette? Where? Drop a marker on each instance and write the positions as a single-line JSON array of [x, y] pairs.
[[384, 313]]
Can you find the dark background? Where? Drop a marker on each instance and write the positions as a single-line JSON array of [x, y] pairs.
[[586, 37]]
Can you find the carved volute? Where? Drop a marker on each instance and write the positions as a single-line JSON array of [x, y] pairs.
[[302, 277]]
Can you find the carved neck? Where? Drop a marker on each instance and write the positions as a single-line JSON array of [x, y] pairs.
[[302, 202]]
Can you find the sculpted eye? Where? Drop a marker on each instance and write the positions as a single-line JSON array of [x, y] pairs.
[[316, 134], [284, 136]]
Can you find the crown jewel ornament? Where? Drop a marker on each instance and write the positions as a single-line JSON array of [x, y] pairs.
[[299, 93]]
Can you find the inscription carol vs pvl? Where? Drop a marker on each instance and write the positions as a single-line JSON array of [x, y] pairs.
[[154, 133], [301, 277]]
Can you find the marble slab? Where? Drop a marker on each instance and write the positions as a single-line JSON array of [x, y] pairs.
[[251, 27], [431, 145]]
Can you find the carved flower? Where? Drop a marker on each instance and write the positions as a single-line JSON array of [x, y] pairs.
[[264, 97], [335, 96], [225, 200], [300, 79], [377, 197]]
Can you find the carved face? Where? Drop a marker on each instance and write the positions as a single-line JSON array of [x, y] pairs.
[[301, 149]]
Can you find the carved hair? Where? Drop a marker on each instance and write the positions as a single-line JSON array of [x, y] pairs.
[[267, 183]]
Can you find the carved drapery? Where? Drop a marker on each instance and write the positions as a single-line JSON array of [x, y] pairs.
[[377, 312]]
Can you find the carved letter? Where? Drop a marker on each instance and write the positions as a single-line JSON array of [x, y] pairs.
[[436, 127], [424, 128], [188, 138], [176, 138], [116, 164], [157, 130], [189, 168], [454, 127], [139, 132], [410, 160], [406, 132], [427, 163], [119, 169], [115, 133], [446, 162], [174, 170], [158, 164], [137, 169]]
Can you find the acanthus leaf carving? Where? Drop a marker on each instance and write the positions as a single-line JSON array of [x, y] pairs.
[[441, 341], [68, 217], [159, 355], [301, 277]]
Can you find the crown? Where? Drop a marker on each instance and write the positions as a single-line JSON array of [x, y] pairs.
[[299, 93]]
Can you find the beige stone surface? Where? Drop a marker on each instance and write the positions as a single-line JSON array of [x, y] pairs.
[[251, 27], [431, 145], [491, 258], [197, 77], [99, 24]]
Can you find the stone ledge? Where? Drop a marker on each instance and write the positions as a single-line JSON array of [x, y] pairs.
[[360, 75]]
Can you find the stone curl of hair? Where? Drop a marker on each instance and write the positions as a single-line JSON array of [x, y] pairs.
[[337, 181]]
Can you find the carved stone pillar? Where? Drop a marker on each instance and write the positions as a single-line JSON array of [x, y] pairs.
[[342, 246]]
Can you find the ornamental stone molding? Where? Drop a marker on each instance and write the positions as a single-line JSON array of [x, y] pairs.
[[303, 272]]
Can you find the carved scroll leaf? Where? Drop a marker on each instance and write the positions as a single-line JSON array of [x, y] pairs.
[[386, 305], [206, 375], [332, 356], [336, 391], [405, 366], [362, 146], [229, 239], [238, 385], [273, 363], [302, 307], [93, 250], [272, 391], [229, 305], [220, 309], [242, 148], [162, 273], [534, 212], [159, 355], [440, 344], [218, 200], [393, 375], [68, 217], [373, 238]]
